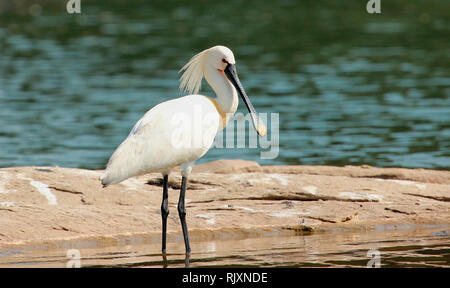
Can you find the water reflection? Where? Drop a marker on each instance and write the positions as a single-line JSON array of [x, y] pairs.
[[409, 246], [350, 88], [187, 260]]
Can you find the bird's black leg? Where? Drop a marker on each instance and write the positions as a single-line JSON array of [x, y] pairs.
[[187, 260], [182, 214], [165, 211], [165, 263]]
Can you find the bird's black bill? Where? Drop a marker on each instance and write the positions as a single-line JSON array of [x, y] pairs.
[[231, 73]]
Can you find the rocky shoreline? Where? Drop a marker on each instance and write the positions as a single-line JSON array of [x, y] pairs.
[[41, 204]]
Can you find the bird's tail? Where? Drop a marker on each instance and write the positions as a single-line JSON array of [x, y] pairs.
[[107, 179], [104, 181], [115, 174]]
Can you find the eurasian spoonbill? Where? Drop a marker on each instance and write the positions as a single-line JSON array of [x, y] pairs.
[[180, 131]]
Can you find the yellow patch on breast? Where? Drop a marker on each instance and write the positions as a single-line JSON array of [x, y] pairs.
[[223, 115]]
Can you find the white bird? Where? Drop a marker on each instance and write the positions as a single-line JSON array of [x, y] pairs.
[[180, 131]]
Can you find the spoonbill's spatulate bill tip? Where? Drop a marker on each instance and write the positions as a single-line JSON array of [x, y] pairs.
[[262, 130], [150, 146]]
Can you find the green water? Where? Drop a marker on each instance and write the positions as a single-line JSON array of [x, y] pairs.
[[350, 87]]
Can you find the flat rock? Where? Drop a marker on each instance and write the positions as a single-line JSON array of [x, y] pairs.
[[53, 203]]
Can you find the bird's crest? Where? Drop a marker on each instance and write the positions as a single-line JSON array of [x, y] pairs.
[[191, 80]]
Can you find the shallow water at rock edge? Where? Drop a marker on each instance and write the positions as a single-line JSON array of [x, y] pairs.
[[389, 246]]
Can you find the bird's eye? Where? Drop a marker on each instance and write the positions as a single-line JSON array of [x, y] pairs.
[[224, 61]]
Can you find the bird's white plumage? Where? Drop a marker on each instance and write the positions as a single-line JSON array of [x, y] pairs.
[[178, 131], [161, 140], [191, 79]]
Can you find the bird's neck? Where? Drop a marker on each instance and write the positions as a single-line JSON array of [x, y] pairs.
[[226, 93]]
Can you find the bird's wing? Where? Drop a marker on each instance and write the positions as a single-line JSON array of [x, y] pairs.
[[171, 133]]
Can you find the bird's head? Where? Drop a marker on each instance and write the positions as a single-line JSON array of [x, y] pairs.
[[219, 57], [222, 59]]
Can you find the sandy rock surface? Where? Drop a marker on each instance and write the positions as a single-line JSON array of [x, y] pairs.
[[53, 203]]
